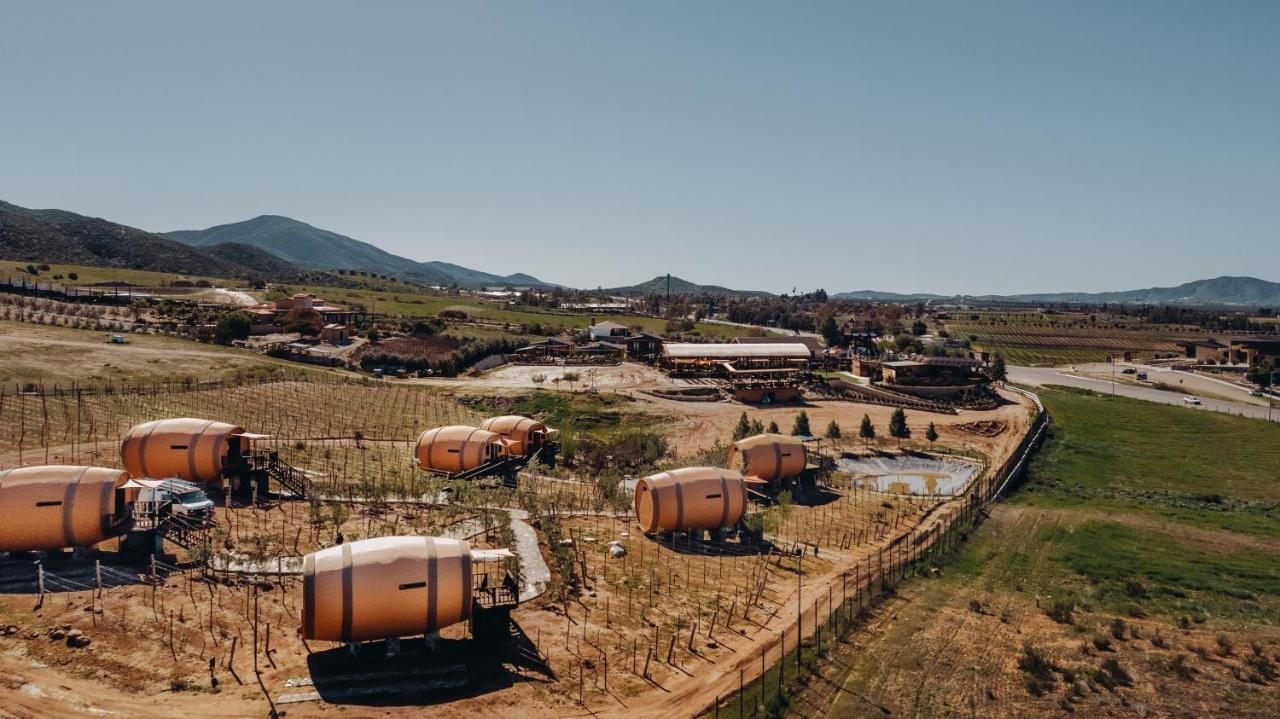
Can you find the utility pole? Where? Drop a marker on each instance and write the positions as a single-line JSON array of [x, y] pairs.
[[1271, 390]]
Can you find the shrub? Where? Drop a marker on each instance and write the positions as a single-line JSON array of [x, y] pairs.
[[1114, 674], [1062, 611], [1040, 670]]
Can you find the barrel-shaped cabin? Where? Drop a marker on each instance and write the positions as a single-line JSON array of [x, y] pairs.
[[385, 587], [457, 448], [196, 450], [59, 506], [770, 457], [524, 435], [692, 498]]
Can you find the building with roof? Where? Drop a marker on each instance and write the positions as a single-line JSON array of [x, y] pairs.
[[605, 330], [643, 346], [1209, 350], [1250, 351], [335, 334], [695, 356], [812, 343]]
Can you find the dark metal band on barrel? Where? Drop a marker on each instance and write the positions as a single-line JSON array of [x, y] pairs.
[[679, 508], [142, 448], [724, 492], [309, 596], [348, 592], [191, 452], [433, 584], [68, 510]]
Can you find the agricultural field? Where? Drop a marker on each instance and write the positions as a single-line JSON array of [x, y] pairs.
[[613, 634], [497, 315], [1133, 574], [1036, 339], [88, 357]]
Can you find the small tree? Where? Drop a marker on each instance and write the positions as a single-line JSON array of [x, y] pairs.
[[743, 428], [867, 431], [571, 377], [756, 427], [931, 434], [833, 430], [998, 370], [898, 428], [773, 427], [801, 426], [831, 331], [231, 326]]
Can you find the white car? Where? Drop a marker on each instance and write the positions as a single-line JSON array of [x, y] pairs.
[[1192, 400]]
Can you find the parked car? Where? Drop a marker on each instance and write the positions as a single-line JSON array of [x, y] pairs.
[[1192, 400], [1128, 370], [1142, 375], [1257, 393], [184, 497]]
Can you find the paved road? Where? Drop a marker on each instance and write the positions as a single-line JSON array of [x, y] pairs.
[[1038, 376]]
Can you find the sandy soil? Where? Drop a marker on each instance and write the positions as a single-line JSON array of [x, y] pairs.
[[695, 426], [131, 665], [60, 354], [609, 378]]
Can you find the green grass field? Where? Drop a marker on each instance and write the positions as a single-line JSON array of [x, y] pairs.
[[1198, 468], [1142, 509]]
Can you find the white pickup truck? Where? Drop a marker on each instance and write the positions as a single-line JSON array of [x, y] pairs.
[[185, 498]]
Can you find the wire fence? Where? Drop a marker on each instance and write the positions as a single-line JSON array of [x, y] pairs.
[[767, 681]]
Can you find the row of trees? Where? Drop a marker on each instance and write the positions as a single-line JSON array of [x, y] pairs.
[[898, 428]]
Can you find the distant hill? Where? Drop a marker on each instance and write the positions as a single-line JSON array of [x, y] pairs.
[[315, 248], [1247, 291], [679, 286], [65, 237], [1222, 291]]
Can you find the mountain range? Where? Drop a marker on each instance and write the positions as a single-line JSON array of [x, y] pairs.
[[1224, 291], [65, 237], [272, 247], [313, 248]]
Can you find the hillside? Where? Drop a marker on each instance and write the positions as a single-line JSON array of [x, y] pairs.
[[1216, 291], [658, 285], [254, 257], [316, 248], [65, 237], [1238, 291]]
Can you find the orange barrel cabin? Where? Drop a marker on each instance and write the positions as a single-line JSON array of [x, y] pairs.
[[385, 587], [60, 506], [524, 435], [192, 449], [692, 498], [770, 457], [457, 448]]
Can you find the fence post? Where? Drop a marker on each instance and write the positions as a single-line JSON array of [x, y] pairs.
[[40, 583]]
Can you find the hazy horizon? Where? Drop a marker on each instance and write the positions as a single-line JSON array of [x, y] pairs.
[[984, 148]]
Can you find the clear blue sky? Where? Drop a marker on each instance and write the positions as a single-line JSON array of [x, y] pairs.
[[915, 146]]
